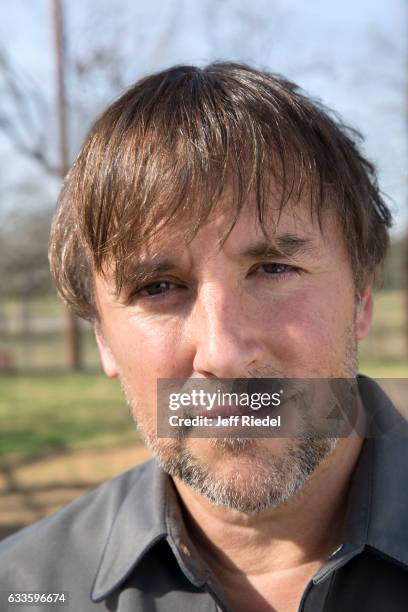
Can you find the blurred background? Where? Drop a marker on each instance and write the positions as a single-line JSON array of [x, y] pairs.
[[63, 426]]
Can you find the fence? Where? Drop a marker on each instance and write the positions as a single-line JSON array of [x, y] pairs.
[[33, 336]]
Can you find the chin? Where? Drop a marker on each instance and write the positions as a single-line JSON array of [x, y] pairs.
[[242, 474]]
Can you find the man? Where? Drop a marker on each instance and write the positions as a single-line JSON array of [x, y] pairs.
[[218, 224]]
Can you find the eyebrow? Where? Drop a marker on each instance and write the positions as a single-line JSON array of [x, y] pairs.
[[141, 271], [284, 245]]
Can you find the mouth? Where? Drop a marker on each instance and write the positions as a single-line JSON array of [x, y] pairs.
[[240, 407]]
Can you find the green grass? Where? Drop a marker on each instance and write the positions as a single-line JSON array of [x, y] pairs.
[[39, 413], [384, 369], [387, 342], [47, 305]]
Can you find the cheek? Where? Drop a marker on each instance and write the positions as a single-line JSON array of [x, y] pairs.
[[305, 332], [145, 350]]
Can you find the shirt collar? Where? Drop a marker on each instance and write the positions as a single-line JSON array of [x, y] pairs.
[[388, 526], [376, 517], [150, 512], [138, 526]]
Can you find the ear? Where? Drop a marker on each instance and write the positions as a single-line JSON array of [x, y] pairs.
[[364, 314], [108, 360]]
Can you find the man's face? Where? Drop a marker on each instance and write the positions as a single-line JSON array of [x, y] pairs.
[[236, 311]]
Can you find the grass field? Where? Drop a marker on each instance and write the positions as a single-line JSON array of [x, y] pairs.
[[43, 412], [386, 347]]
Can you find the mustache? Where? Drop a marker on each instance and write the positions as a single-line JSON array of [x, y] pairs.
[[265, 371]]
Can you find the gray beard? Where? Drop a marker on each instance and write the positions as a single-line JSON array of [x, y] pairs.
[[272, 480]]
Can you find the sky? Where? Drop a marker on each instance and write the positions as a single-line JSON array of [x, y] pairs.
[[350, 55]]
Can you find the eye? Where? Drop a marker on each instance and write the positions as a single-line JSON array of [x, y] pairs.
[[276, 269], [159, 287]]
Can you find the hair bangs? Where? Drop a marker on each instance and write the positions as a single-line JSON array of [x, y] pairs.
[[170, 169], [181, 144]]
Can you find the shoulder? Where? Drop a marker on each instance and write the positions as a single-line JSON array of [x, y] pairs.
[[71, 541]]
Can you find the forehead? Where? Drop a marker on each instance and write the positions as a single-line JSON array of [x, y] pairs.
[[294, 226], [293, 230]]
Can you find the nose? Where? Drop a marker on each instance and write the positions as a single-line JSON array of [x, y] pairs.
[[227, 339]]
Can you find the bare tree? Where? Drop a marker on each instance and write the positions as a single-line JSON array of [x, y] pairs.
[[24, 271], [25, 120], [73, 330], [404, 244], [22, 115], [95, 72]]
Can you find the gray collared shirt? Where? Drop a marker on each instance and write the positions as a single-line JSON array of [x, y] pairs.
[[124, 546]]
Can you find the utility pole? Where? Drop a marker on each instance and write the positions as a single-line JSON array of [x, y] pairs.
[[405, 248], [72, 322]]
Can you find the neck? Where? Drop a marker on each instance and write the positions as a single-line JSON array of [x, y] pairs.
[[305, 530]]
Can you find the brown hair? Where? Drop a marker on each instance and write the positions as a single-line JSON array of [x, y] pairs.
[[164, 152]]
